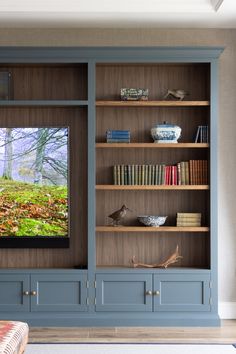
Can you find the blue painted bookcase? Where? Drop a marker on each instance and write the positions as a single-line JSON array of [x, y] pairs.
[[80, 87]]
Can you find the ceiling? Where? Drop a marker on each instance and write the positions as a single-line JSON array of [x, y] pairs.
[[118, 13]]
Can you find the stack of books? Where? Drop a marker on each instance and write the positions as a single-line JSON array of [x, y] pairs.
[[118, 136], [188, 219], [202, 135]]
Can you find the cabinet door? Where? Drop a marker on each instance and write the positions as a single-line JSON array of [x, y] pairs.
[[123, 292], [12, 289], [182, 292], [58, 292]]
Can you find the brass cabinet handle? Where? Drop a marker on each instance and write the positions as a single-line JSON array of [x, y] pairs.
[[26, 293], [148, 292], [157, 292], [33, 293]]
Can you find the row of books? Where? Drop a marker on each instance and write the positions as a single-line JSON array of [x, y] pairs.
[[118, 136], [188, 219], [202, 135], [192, 172]]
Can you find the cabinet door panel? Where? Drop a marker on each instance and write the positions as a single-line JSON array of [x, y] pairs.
[[12, 288], [123, 292], [55, 292], [182, 292]]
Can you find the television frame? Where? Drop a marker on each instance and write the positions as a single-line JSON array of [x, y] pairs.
[[43, 241]]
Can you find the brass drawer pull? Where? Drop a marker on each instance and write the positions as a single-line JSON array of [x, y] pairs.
[[33, 293], [26, 293], [148, 292], [157, 292]]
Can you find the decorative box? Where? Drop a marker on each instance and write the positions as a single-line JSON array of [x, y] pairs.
[[134, 94]]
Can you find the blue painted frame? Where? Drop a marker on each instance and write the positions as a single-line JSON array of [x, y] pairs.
[[126, 284], [59, 284], [12, 291], [182, 286]]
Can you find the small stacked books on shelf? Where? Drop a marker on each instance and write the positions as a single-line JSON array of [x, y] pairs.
[[118, 136], [188, 219], [202, 134]]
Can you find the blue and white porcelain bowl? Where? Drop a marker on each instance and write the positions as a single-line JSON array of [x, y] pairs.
[[166, 133], [152, 220]]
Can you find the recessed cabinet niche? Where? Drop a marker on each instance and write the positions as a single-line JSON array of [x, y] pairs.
[[116, 246]]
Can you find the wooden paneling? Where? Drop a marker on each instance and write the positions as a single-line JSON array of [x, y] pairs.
[[152, 247], [140, 121], [157, 78], [117, 248], [107, 158], [47, 82], [76, 120], [151, 203]]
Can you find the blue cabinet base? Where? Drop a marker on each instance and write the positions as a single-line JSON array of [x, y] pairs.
[[118, 320], [67, 299]]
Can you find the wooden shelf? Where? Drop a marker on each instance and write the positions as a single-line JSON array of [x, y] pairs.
[[152, 145], [151, 229], [43, 103], [172, 268], [151, 103], [150, 187]]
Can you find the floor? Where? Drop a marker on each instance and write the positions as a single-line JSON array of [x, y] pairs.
[[224, 334]]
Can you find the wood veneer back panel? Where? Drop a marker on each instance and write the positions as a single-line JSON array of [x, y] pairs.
[[166, 203], [140, 120], [157, 78], [47, 82], [76, 119], [117, 249]]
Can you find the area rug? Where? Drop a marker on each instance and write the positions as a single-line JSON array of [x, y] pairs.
[[144, 348]]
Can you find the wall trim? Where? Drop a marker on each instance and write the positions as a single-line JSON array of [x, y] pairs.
[[227, 310]]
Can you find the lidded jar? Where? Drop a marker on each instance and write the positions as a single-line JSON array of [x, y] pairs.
[[166, 133]]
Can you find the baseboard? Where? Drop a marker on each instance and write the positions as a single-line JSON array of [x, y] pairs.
[[227, 310]]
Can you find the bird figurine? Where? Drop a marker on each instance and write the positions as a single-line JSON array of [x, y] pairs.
[[118, 215], [178, 94]]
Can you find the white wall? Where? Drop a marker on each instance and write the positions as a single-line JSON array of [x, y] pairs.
[[227, 115]]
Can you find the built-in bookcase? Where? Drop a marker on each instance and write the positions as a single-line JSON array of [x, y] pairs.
[[92, 283], [116, 246]]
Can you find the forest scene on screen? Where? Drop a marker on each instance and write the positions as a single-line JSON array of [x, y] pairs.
[[34, 181]]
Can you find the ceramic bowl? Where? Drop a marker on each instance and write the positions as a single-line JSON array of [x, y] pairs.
[[152, 220]]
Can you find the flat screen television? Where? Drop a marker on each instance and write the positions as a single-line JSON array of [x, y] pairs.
[[34, 187]]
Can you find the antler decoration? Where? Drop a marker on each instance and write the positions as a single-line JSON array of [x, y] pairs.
[[173, 258]]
